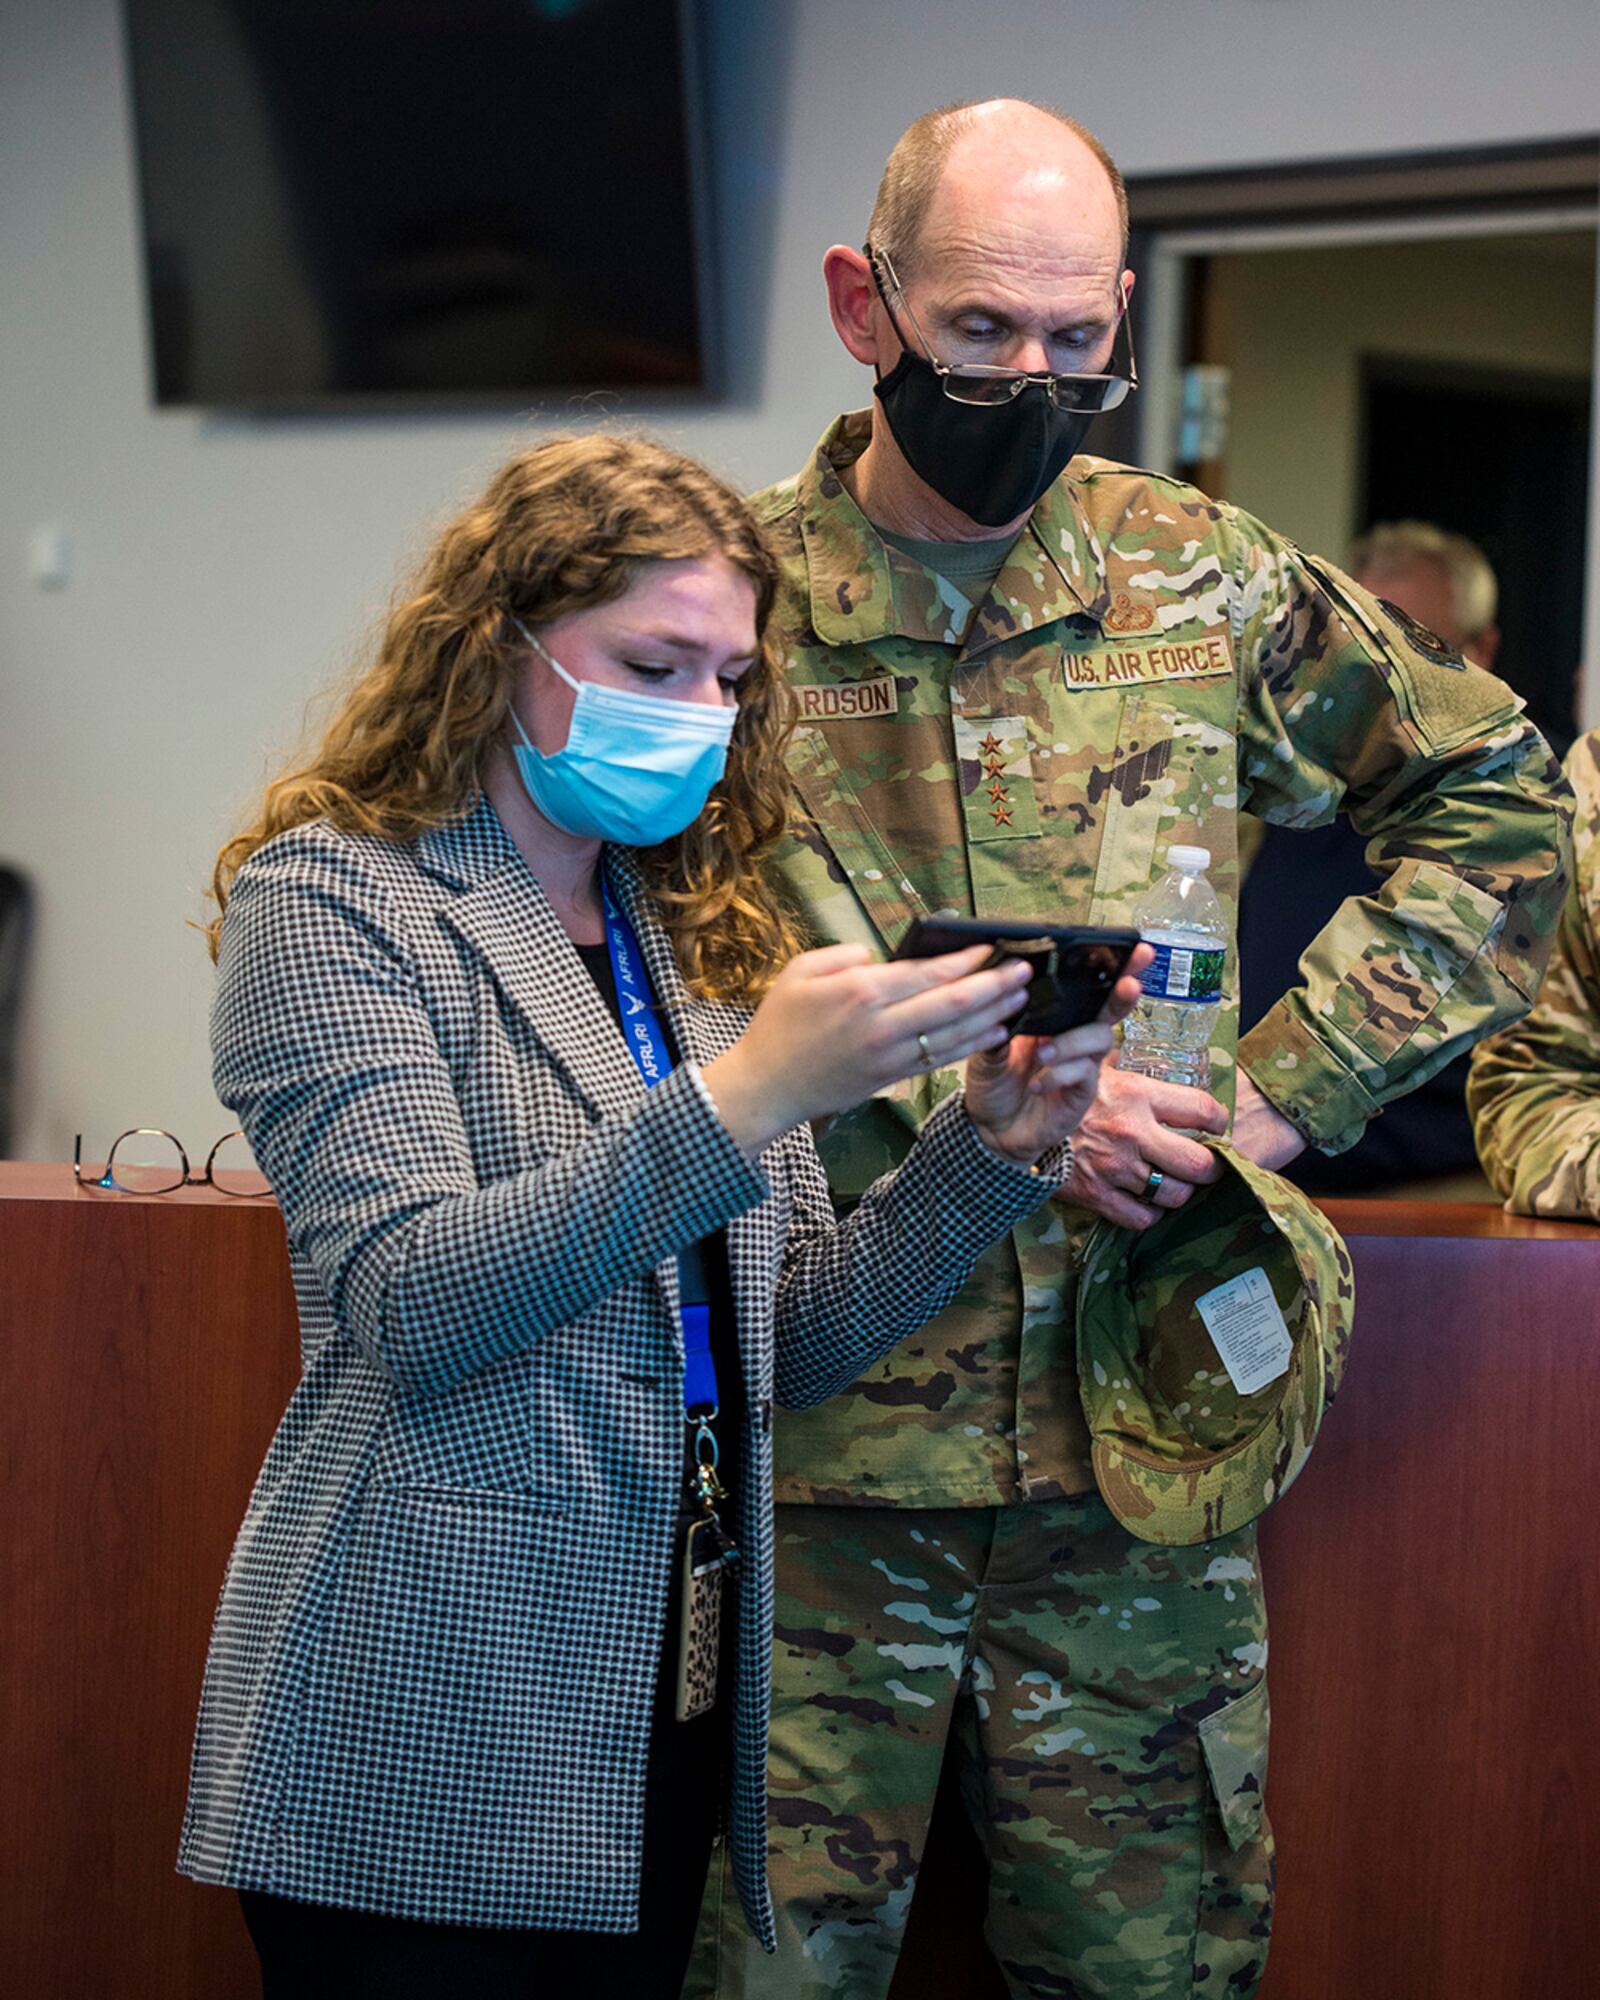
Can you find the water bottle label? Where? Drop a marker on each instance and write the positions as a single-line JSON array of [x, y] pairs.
[[1183, 972]]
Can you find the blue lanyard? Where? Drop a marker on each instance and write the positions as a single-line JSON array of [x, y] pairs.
[[651, 1052]]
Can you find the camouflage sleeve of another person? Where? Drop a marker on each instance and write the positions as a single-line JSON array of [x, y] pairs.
[[1534, 1092], [1348, 705]]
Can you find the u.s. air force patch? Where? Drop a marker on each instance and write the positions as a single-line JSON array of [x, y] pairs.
[[838, 700], [1122, 665]]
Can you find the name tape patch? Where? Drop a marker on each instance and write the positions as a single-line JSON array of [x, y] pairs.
[[1124, 666], [853, 698], [1247, 1330]]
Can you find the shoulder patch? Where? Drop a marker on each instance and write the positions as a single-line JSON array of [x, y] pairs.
[[1451, 708], [1427, 642]]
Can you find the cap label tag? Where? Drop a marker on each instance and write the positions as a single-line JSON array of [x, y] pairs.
[[1248, 1330]]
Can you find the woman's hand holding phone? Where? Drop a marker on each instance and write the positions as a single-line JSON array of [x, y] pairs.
[[1035, 1092], [836, 1026]]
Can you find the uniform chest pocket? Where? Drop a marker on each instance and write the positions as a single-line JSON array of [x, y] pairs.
[[1173, 778]]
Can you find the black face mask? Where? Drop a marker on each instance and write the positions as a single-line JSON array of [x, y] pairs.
[[992, 460]]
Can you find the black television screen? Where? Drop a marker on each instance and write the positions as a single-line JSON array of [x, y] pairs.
[[380, 202]]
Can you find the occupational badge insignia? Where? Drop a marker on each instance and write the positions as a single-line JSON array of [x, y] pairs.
[[1127, 614]]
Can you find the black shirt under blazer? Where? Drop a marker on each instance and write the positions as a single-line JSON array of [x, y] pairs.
[[430, 1678]]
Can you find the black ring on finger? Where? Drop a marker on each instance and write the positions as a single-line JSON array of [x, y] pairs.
[[1152, 1186]]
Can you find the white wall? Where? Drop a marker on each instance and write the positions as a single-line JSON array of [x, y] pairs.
[[225, 569]]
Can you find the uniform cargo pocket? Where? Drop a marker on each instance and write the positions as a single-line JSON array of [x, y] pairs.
[[1234, 1740]]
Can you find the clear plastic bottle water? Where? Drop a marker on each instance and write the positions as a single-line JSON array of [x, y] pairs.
[[1168, 1034]]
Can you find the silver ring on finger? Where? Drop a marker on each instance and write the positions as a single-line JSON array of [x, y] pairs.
[[926, 1057], [1152, 1185]]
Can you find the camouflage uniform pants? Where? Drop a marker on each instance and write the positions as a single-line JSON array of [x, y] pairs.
[[1106, 1703]]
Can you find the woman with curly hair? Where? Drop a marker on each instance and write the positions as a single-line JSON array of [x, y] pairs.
[[528, 1053]]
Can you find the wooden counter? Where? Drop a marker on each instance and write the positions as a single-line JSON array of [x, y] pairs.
[[1434, 1592], [1433, 1579], [147, 1348]]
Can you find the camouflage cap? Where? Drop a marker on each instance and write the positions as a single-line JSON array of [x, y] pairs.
[[1180, 1453]]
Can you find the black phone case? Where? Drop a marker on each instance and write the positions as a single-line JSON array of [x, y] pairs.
[[1075, 965]]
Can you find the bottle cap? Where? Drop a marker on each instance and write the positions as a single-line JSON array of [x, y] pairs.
[[1190, 860]]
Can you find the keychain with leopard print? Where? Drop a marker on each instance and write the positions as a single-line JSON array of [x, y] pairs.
[[709, 1559]]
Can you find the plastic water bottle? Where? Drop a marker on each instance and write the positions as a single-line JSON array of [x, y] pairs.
[[1168, 1034]]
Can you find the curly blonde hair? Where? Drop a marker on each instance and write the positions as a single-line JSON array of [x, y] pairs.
[[561, 527]]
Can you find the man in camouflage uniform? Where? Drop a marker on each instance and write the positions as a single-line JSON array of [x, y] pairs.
[[1014, 715], [1534, 1092]]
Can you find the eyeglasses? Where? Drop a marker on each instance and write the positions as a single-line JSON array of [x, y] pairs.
[[146, 1160], [976, 383]]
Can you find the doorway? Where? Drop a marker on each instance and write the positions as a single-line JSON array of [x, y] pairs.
[[1501, 456], [1409, 338], [1442, 377]]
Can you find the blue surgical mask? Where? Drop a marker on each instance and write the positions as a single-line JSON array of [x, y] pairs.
[[636, 768]]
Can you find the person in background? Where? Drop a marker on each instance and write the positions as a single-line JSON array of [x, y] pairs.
[[524, 1045], [1022, 676], [1534, 1091], [1300, 876], [1443, 581]]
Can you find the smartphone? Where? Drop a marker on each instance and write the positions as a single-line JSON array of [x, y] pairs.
[[1075, 966]]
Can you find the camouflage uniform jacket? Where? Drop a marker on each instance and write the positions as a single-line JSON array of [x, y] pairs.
[[1534, 1092], [1148, 664]]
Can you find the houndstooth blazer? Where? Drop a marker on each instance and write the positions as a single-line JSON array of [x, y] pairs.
[[430, 1679]]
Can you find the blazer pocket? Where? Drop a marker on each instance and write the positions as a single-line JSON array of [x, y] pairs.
[[480, 1437], [458, 1631], [526, 1503]]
